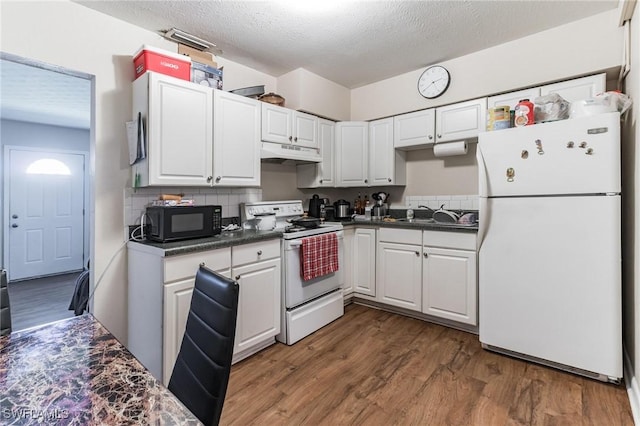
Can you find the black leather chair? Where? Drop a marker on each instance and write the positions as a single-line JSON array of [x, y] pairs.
[[201, 372], [5, 310]]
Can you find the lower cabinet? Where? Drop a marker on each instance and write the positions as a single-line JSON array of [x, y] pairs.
[[347, 265], [399, 274], [364, 261], [160, 290]]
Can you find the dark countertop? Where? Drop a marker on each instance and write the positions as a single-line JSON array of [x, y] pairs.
[[416, 224], [74, 372], [225, 239]]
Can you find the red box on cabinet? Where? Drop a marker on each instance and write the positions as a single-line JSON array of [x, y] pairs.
[[153, 59]]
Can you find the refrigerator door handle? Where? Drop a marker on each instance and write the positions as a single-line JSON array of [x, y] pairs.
[[483, 224]]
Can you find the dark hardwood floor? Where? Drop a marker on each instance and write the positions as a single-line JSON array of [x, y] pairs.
[[371, 367], [41, 300]]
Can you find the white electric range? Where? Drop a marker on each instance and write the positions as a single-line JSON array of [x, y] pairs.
[[307, 305]]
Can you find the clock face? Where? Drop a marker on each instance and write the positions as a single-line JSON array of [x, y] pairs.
[[434, 81]]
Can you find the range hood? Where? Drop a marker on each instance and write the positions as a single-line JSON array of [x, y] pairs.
[[286, 153]]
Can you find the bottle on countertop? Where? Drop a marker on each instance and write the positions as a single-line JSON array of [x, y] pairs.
[[365, 203], [357, 204]]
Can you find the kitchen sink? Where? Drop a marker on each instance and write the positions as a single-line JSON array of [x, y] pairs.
[[416, 220]]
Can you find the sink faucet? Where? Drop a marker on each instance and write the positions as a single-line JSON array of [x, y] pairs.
[[426, 207]]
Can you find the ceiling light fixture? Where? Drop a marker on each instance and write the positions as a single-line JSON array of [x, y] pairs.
[[190, 40]]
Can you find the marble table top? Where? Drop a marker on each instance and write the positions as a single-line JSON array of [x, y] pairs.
[[74, 372]]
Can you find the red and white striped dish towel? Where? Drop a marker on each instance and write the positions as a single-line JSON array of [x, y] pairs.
[[319, 256]]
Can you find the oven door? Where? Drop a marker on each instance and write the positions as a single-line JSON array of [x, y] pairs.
[[297, 291]]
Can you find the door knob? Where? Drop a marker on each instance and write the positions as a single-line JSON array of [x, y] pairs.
[[14, 225]]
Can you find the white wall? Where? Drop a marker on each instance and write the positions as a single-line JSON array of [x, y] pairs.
[[72, 36], [631, 218]]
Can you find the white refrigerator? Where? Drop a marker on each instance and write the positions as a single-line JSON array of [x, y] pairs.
[[550, 244]]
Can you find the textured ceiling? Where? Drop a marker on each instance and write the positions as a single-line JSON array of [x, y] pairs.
[[352, 43], [28, 93]]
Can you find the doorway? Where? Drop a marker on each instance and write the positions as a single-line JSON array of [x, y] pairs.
[[47, 139]]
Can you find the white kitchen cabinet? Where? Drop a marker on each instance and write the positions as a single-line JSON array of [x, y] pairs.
[[387, 166], [352, 153], [512, 98], [449, 276], [460, 121], [178, 116], [414, 130], [364, 261], [347, 265], [286, 126], [322, 174], [236, 140], [578, 88]]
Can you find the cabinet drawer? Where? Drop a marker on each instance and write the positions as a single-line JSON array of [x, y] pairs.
[[185, 266], [454, 240], [255, 252], [402, 236]]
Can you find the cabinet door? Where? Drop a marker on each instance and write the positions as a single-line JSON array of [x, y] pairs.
[[321, 174], [352, 154], [276, 123], [381, 152], [236, 141], [512, 98], [450, 284], [305, 130], [414, 130], [347, 265], [364, 261], [399, 275], [259, 303], [461, 121], [180, 130], [578, 88]]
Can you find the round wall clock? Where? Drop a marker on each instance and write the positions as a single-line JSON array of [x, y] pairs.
[[434, 81]]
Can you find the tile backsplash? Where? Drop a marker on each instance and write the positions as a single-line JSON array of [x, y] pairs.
[[136, 200], [452, 202]]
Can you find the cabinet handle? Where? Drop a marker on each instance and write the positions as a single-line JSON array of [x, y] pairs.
[[259, 252], [201, 263], [209, 178], [290, 138], [440, 136], [237, 277], [218, 178], [417, 253], [295, 139], [389, 179], [425, 254], [366, 181], [320, 180], [430, 137]]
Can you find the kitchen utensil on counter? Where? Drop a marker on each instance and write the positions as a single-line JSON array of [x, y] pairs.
[[307, 222], [468, 219], [342, 209], [265, 221], [445, 216], [378, 211], [315, 205]]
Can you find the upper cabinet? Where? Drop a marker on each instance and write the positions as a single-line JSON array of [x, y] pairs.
[[387, 166], [415, 129], [321, 174], [196, 136], [571, 90], [463, 120], [236, 135], [352, 153], [286, 126], [422, 129], [178, 116]]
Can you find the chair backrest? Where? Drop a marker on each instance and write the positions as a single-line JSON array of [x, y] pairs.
[[201, 372], [5, 310]]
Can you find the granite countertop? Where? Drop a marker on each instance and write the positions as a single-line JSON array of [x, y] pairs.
[[74, 372], [421, 224]]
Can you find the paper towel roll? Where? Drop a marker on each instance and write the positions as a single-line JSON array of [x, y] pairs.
[[450, 148]]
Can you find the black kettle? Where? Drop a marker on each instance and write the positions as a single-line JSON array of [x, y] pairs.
[[315, 204]]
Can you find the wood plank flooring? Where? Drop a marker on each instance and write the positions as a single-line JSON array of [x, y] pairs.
[[372, 367], [41, 300]]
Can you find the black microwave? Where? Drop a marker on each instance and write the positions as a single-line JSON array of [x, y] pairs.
[[174, 223]]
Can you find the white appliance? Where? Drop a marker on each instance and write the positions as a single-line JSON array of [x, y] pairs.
[[307, 305], [284, 153], [550, 244]]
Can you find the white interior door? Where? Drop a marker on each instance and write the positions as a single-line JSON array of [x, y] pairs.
[[46, 210]]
